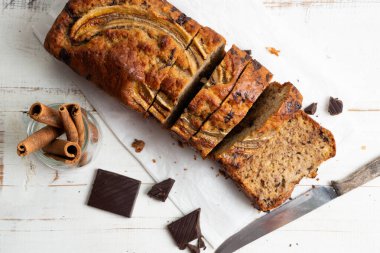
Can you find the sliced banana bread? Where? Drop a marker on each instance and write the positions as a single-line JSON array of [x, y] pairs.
[[125, 47], [182, 82], [275, 148], [248, 88], [212, 94]]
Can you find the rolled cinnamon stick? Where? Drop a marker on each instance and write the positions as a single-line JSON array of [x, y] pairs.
[[38, 140], [68, 124], [63, 151], [76, 114], [45, 114]]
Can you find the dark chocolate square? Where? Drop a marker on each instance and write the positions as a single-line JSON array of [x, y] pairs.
[[114, 193]]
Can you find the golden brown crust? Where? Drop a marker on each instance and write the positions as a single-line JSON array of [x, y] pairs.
[[235, 163], [186, 71], [248, 88], [125, 47], [212, 94]]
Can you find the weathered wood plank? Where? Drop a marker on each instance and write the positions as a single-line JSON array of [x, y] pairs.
[[281, 4], [2, 139], [44, 209]]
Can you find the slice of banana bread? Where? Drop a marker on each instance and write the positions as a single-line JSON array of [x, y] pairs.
[[212, 94], [183, 80], [273, 151], [248, 88]]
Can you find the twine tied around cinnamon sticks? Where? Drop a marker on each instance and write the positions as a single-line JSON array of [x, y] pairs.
[[67, 119]]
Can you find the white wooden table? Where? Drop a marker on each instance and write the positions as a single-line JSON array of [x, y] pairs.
[[42, 210]]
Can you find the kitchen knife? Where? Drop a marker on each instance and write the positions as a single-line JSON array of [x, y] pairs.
[[299, 206]]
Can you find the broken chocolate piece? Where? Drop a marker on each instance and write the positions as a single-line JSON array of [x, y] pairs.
[[311, 109], [193, 248], [138, 145], [335, 106], [161, 190], [201, 243], [114, 193], [185, 229]]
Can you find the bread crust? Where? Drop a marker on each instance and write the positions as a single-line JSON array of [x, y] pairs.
[[212, 94], [125, 47], [248, 88], [185, 72]]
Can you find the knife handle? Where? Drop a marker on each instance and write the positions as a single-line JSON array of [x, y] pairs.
[[363, 175]]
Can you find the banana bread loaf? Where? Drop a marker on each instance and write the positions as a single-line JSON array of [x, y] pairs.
[[274, 148], [125, 47], [212, 94], [248, 88]]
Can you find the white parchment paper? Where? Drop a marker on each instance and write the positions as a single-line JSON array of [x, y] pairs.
[[225, 210]]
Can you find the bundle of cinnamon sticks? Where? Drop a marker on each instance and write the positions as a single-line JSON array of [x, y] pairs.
[[67, 119]]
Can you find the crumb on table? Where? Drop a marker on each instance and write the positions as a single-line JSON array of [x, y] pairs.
[[273, 51], [138, 145]]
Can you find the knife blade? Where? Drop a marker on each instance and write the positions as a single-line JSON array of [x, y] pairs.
[[298, 207]]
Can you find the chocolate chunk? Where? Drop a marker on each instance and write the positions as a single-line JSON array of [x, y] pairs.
[[248, 51], [298, 106], [233, 51], [236, 96], [256, 65], [193, 248], [161, 190], [182, 19], [138, 145], [114, 193], [185, 229], [268, 77], [228, 117], [145, 4], [311, 109], [173, 9], [335, 106], [292, 106], [163, 42], [201, 243], [64, 56]]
